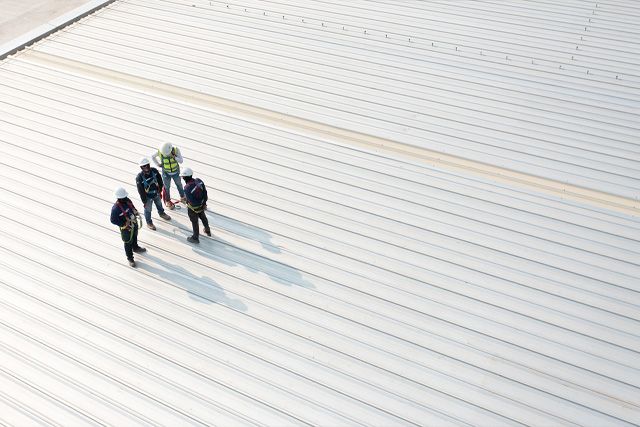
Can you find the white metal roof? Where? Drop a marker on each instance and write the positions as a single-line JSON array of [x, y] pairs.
[[344, 284], [465, 83]]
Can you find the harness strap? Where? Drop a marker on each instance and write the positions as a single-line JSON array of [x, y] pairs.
[[145, 181], [127, 223], [196, 186], [196, 209]]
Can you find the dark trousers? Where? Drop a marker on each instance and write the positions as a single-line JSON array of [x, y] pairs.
[[193, 216], [130, 239]]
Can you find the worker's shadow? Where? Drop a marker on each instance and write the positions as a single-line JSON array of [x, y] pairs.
[[199, 288], [242, 229], [219, 250]]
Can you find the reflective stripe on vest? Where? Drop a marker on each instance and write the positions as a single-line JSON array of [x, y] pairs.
[[169, 163]]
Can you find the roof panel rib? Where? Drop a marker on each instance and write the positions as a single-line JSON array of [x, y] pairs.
[[344, 284]]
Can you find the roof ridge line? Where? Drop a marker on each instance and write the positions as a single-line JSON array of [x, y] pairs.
[[556, 188]]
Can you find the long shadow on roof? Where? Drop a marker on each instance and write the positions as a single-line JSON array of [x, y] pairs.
[[219, 250], [199, 288]]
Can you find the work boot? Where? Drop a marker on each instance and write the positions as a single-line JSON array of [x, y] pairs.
[[207, 231], [169, 205], [150, 226], [192, 239], [132, 263], [139, 249], [165, 216]]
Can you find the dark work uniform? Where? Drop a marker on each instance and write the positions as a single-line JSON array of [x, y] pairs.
[[123, 215], [196, 194], [149, 184]]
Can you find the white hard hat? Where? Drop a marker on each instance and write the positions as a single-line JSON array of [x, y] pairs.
[[165, 148], [186, 172], [143, 161], [120, 193]]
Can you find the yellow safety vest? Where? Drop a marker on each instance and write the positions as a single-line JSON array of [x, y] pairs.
[[169, 163]]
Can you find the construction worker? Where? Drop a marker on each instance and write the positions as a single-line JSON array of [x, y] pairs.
[[124, 215], [196, 194], [168, 158], [149, 183]]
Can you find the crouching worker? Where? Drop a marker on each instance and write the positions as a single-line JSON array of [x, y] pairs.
[[123, 214], [149, 183], [196, 194]]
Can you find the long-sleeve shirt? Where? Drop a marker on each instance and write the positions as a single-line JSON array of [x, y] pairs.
[[149, 185], [121, 212], [196, 193]]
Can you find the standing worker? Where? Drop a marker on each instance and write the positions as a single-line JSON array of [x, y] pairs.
[[196, 194], [149, 183], [168, 158], [123, 214]]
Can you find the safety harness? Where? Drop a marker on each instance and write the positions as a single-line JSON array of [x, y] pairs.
[[128, 225], [197, 193], [148, 182]]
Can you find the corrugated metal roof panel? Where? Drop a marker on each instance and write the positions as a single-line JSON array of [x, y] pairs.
[[343, 285], [533, 117]]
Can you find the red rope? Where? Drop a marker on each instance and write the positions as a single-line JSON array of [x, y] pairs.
[[175, 202]]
